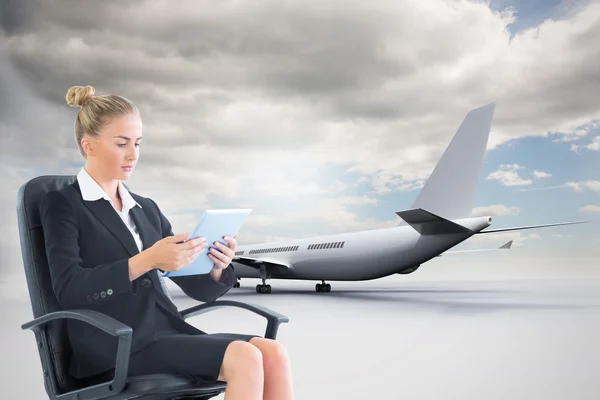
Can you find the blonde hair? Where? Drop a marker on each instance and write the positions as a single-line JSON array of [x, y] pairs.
[[95, 111]]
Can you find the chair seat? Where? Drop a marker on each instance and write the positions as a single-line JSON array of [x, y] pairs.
[[147, 386]]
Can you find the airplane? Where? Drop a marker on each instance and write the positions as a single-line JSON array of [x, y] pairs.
[[438, 220]]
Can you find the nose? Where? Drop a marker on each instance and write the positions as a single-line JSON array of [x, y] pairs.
[[131, 154]]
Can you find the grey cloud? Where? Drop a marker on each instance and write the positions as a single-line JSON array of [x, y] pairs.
[[283, 51], [29, 127], [14, 16], [264, 76], [355, 61]]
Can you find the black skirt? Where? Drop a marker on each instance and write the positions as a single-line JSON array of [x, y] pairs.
[[175, 352]]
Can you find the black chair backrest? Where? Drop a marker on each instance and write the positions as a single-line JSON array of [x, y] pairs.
[[43, 300]]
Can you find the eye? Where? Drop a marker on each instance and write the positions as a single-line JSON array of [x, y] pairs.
[[122, 144]]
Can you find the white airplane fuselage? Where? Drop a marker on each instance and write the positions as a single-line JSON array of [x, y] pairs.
[[364, 255]]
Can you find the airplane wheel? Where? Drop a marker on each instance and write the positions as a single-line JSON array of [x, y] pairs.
[[236, 285], [263, 288], [323, 287]]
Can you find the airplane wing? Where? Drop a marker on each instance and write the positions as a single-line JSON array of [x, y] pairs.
[[256, 262], [505, 246], [530, 227]]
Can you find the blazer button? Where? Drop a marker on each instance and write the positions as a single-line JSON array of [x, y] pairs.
[[96, 297], [146, 282], [103, 294], [89, 298], [109, 292]]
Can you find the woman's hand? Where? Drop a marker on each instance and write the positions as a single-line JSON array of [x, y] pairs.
[[222, 255], [173, 254]]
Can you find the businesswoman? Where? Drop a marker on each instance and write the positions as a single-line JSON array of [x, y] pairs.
[[105, 247]]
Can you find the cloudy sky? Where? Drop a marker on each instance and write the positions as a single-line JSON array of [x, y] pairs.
[[323, 117]]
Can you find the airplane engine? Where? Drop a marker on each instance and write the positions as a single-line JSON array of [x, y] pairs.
[[409, 270]]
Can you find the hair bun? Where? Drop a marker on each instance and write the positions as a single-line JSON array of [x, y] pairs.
[[77, 96]]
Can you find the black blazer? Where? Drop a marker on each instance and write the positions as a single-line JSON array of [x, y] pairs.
[[88, 247]]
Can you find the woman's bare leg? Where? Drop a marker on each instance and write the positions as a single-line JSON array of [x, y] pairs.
[[242, 370], [277, 371]]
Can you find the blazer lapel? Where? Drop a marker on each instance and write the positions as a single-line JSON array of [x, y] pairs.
[[105, 212], [107, 215], [143, 226]]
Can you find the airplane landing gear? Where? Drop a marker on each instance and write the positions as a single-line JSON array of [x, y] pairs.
[[236, 285], [263, 288], [323, 287]]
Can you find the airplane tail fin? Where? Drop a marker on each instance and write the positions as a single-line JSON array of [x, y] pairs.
[[451, 188]]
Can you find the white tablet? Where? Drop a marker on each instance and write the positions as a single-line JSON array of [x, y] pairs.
[[214, 225]]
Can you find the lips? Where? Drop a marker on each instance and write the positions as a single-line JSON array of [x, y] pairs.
[[127, 167]]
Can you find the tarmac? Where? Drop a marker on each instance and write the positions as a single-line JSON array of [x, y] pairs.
[[463, 330]]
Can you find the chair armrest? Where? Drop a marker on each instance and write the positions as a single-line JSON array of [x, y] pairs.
[[273, 318], [101, 321]]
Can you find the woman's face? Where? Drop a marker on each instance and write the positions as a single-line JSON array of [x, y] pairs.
[[115, 153]]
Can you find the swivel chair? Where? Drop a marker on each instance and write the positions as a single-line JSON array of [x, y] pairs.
[[49, 323]]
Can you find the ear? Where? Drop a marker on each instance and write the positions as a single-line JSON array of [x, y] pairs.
[[88, 144]]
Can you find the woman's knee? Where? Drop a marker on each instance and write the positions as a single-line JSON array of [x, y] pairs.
[[274, 353], [241, 357]]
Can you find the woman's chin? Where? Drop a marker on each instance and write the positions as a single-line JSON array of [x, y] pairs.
[[125, 174]]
